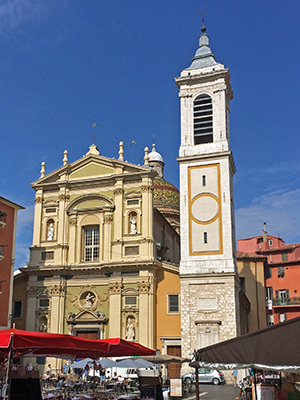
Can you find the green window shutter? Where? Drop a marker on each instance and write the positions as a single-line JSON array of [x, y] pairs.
[[276, 294], [287, 294]]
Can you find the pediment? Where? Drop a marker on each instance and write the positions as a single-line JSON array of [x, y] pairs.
[[91, 170], [88, 167]]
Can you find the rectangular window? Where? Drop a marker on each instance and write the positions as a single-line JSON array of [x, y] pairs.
[[17, 311], [131, 250], [284, 295], [269, 272], [50, 210], [44, 302], [47, 255], [270, 319], [269, 293], [173, 303], [41, 360], [284, 257], [91, 244], [282, 317], [132, 202], [203, 180], [280, 272], [130, 301], [205, 237]]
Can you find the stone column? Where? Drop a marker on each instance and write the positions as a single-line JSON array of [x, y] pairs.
[[118, 223], [62, 226], [57, 308], [146, 314], [37, 226], [72, 239], [147, 218], [115, 306], [106, 242], [32, 292]]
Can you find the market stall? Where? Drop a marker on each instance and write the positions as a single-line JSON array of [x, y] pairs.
[[274, 348], [17, 343]]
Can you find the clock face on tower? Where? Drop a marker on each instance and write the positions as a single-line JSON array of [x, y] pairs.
[[205, 211]]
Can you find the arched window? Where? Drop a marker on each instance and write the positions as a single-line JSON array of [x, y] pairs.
[[203, 119]]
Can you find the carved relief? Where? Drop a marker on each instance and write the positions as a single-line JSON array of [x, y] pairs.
[[144, 286], [38, 199], [147, 188], [108, 219], [64, 197], [73, 221], [88, 299], [115, 287], [56, 290], [32, 291], [118, 191]]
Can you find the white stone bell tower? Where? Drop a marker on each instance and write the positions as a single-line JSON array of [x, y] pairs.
[[209, 284]]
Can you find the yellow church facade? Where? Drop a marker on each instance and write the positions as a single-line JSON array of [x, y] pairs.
[[105, 252]]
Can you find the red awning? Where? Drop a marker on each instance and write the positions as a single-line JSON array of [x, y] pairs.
[[120, 347], [27, 343]]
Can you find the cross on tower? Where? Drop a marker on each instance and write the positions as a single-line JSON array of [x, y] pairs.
[[202, 13], [93, 130]]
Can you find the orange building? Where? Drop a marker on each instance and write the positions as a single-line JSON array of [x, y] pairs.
[[8, 226], [282, 274]]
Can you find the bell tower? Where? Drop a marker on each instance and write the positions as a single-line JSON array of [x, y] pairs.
[[209, 284]]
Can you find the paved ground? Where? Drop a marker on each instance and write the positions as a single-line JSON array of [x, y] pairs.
[[212, 392]]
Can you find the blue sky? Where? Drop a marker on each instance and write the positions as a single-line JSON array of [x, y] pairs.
[[65, 64]]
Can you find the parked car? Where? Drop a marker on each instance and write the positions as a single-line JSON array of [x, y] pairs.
[[205, 375]]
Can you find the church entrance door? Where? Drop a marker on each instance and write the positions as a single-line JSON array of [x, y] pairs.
[[94, 335], [174, 368]]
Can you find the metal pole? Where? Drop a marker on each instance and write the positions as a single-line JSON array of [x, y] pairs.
[[8, 366], [197, 384]]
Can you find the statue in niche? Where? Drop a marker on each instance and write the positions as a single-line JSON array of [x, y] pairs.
[[88, 300], [132, 220], [130, 331], [50, 235], [43, 326]]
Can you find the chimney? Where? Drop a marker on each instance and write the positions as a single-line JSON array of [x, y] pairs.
[[264, 232]]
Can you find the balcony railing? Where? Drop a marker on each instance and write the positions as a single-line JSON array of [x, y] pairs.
[[286, 301]]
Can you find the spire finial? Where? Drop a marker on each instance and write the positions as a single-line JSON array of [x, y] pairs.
[[146, 158], [121, 151], [43, 170], [203, 29], [65, 159], [93, 126]]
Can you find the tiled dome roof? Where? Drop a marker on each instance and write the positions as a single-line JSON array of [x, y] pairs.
[[165, 194]]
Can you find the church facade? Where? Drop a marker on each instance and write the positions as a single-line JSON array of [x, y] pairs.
[[209, 282], [104, 261]]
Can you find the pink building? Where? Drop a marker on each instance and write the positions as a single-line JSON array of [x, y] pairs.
[[282, 274], [8, 227]]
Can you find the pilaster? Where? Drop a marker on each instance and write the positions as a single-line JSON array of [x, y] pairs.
[[37, 227], [146, 312], [115, 307]]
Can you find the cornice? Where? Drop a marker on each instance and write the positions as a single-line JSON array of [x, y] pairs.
[[208, 276], [211, 156], [86, 269]]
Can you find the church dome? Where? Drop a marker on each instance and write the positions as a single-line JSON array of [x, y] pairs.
[[154, 155], [165, 194]]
